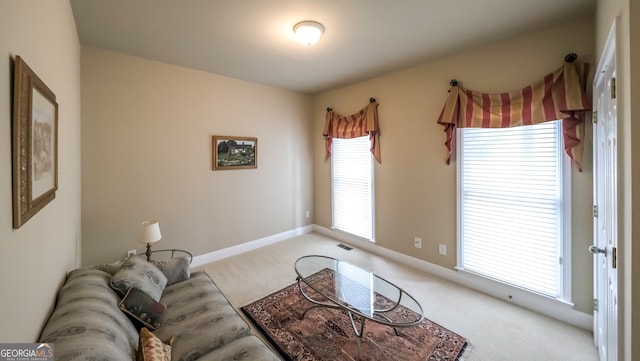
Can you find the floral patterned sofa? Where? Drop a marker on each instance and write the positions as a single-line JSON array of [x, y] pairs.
[[96, 318]]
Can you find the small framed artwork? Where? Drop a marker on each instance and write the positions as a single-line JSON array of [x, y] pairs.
[[234, 152], [34, 144]]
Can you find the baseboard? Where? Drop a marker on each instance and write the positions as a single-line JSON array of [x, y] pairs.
[[248, 246], [553, 308]]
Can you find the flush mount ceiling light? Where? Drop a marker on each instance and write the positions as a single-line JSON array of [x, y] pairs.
[[308, 32]]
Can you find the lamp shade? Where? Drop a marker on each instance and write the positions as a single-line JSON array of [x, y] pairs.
[[150, 231], [308, 32]]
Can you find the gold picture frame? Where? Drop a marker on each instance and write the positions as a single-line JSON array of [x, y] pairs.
[[34, 144], [234, 152]]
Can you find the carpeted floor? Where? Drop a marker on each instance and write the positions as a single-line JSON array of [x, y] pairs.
[[327, 333], [496, 329]]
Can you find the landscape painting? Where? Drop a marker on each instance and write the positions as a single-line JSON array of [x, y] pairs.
[[234, 152], [34, 142]]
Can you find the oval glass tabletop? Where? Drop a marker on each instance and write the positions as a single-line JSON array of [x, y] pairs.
[[356, 290]]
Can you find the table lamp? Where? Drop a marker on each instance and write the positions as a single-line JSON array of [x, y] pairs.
[[150, 234]]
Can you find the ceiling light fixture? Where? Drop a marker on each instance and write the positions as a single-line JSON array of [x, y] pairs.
[[308, 32]]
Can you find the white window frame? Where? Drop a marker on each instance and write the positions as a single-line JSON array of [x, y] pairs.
[[365, 145], [564, 282]]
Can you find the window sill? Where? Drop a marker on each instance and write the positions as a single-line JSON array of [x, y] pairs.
[[510, 292], [352, 237]]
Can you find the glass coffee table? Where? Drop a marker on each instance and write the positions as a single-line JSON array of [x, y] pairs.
[[328, 282]]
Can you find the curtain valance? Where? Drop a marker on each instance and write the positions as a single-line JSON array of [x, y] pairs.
[[364, 122], [559, 95]]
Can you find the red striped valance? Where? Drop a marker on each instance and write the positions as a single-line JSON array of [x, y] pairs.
[[364, 122], [560, 95]]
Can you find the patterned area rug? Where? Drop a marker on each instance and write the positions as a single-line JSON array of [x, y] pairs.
[[326, 333]]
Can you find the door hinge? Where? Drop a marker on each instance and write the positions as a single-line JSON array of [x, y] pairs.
[[594, 117], [595, 304], [614, 257], [595, 211], [613, 88]]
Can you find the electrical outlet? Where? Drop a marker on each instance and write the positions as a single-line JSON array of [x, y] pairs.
[[417, 242], [442, 249], [307, 213], [131, 252]]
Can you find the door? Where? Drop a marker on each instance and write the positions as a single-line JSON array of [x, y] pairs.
[[605, 179]]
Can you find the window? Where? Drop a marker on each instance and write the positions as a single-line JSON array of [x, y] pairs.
[[513, 203], [352, 186]]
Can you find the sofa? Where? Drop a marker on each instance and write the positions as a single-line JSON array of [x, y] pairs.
[[139, 310]]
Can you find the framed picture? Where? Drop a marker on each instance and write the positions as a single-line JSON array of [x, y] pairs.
[[34, 144], [234, 152]]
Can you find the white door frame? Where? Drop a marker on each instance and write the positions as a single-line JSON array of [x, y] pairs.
[[605, 198]]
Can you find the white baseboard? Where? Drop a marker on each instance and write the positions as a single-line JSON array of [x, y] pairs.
[[248, 246], [553, 308]]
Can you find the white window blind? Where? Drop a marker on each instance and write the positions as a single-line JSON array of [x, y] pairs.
[[511, 206], [352, 185]]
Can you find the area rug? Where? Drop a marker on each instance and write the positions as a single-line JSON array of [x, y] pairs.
[[326, 334]]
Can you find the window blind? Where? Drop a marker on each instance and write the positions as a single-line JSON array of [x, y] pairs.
[[511, 205], [351, 186]]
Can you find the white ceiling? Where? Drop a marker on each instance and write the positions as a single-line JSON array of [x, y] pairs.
[[253, 39]]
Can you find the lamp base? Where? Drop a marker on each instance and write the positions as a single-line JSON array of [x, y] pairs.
[[148, 253]]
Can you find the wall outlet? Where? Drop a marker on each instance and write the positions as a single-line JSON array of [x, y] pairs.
[[417, 242], [131, 252], [442, 249], [306, 214]]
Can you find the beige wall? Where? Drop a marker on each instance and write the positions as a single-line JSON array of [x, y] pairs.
[[628, 83], [146, 140], [35, 258], [415, 191]]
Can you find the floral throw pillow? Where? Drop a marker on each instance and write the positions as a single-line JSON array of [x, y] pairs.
[[152, 349], [136, 272]]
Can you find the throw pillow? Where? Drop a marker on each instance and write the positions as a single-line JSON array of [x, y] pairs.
[[110, 268], [137, 272], [175, 269], [152, 349], [141, 307]]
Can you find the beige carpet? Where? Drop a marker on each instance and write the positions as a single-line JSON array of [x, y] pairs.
[[497, 330]]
